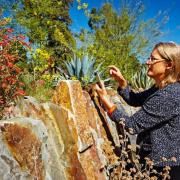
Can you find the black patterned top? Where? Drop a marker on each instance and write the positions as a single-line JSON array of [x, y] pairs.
[[160, 116]]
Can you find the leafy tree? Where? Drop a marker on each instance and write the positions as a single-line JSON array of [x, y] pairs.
[[8, 8], [47, 23], [119, 38]]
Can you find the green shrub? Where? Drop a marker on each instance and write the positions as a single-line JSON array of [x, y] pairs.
[[40, 89]]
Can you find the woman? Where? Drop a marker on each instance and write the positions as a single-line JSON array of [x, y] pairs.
[[159, 117]]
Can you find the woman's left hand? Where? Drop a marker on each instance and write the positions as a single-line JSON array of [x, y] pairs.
[[101, 91]]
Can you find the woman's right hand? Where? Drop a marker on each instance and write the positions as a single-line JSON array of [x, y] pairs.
[[115, 72]]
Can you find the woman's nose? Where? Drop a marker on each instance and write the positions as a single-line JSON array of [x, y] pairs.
[[148, 62]]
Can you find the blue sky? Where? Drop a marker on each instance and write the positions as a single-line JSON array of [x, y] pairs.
[[152, 7]]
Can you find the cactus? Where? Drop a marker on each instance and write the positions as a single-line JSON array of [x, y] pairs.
[[140, 80], [81, 69]]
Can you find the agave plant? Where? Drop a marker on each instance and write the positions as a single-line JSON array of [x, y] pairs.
[[83, 70], [140, 80]]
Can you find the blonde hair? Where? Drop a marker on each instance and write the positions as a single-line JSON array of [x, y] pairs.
[[171, 53]]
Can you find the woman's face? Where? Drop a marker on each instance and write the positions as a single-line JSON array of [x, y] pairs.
[[157, 66]]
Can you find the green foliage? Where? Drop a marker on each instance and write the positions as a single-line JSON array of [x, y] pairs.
[[41, 62], [112, 39], [140, 80], [82, 6], [38, 77], [82, 70], [47, 23], [119, 38], [41, 89]]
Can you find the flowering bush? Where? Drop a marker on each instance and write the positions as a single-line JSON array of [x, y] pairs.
[[42, 65], [42, 61], [38, 77], [10, 55]]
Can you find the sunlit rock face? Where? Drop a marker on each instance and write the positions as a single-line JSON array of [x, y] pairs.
[[23, 149], [95, 152], [70, 138]]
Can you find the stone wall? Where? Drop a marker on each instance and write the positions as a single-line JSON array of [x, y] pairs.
[[70, 138]]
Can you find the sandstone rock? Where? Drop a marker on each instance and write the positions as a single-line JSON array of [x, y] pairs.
[[95, 150], [22, 149], [71, 138]]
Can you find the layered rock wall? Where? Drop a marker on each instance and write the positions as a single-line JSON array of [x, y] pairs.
[[70, 138]]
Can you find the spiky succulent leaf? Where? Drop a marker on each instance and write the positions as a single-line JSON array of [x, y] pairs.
[[85, 65], [78, 68], [140, 80], [81, 69], [98, 67], [70, 68]]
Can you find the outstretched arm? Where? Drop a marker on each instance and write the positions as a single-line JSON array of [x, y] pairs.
[[135, 99], [159, 109], [132, 98]]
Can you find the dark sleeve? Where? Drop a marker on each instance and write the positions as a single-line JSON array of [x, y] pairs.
[[135, 99], [156, 110]]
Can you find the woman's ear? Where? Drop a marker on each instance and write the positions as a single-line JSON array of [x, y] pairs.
[[169, 65]]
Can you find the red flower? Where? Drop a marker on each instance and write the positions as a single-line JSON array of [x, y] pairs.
[[4, 85], [21, 36], [20, 92], [5, 37], [21, 84], [1, 100], [41, 82], [17, 69], [10, 85], [24, 43], [10, 65], [9, 30]]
